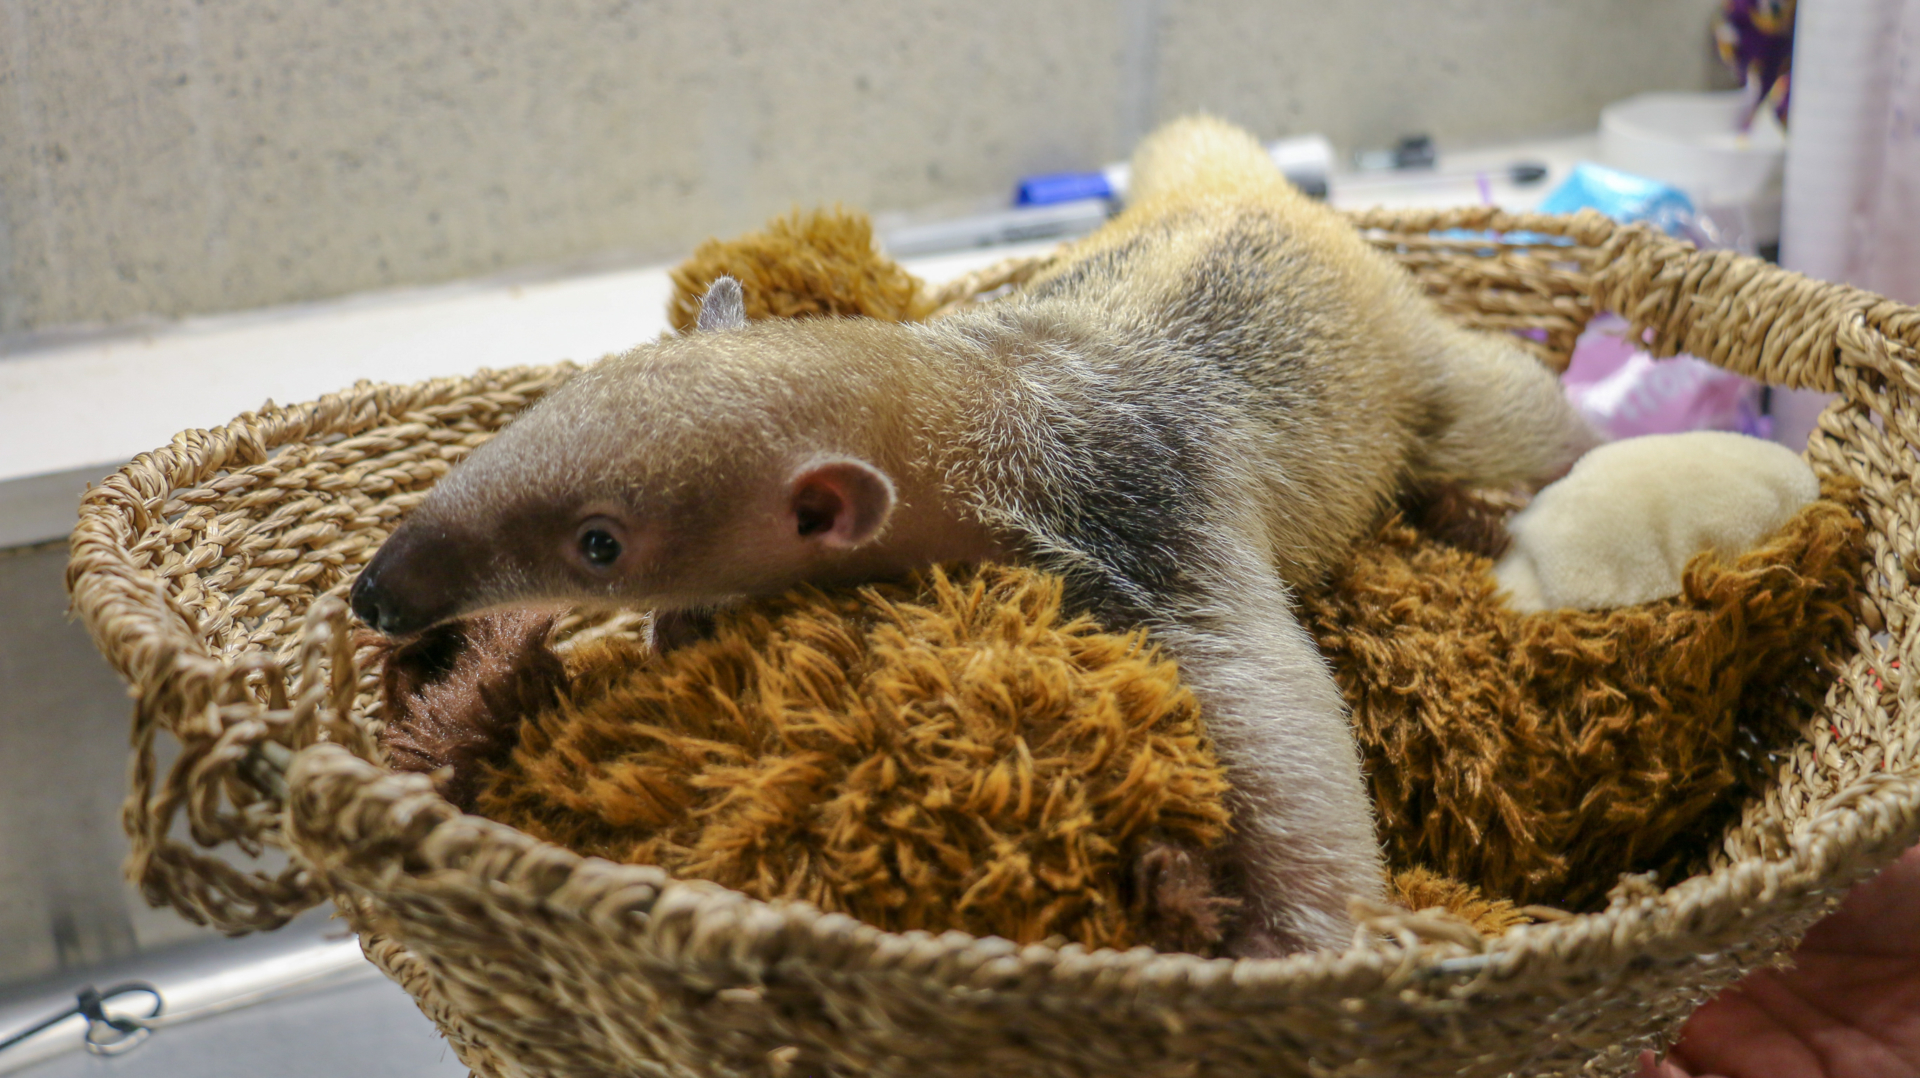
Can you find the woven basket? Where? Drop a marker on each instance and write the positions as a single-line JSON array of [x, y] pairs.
[[210, 572]]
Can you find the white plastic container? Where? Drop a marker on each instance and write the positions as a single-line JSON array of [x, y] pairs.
[[1693, 142]]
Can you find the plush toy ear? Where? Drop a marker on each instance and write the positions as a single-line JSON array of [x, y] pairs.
[[840, 503], [723, 307]]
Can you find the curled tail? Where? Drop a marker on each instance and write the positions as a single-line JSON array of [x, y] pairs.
[[1200, 155]]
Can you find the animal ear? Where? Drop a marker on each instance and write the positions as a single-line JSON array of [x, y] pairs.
[[723, 307], [840, 503]]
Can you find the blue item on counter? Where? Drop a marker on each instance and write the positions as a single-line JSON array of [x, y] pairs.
[[1053, 187], [1622, 196], [1517, 237]]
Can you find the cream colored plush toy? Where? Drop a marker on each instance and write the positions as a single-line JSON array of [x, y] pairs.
[[1621, 526]]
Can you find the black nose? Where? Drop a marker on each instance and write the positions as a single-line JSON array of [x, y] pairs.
[[384, 611], [415, 580], [366, 600]]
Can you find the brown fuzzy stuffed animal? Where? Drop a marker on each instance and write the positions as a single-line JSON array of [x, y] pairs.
[[821, 263], [456, 695], [952, 754]]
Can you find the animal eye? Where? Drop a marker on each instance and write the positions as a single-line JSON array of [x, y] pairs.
[[599, 547]]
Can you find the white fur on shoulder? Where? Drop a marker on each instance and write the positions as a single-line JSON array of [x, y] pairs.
[[1621, 526]]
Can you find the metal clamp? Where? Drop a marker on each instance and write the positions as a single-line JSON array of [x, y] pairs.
[[107, 1034]]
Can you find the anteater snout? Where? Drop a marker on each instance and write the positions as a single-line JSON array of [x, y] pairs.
[[374, 606], [410, 585]]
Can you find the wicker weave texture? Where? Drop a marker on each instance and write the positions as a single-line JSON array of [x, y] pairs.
[[211, 571]]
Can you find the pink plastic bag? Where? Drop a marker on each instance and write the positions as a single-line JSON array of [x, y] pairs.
[[1625, 392]]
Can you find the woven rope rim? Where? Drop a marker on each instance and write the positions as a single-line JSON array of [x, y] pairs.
[[1714, 305], [705, 925]]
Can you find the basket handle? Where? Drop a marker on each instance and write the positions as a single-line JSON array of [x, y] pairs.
[[229, 780], [970, 288], [1750, 317]]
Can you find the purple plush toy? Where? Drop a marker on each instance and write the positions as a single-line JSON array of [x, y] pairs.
[[1756, 39]]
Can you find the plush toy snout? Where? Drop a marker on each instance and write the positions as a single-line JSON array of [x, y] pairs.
[[1622, 525]]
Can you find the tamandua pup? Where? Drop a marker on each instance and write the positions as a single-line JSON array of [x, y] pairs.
[[1209, 400], [1622, 525]]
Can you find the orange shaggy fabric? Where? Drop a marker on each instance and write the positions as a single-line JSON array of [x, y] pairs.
[[820, 263], [655, 760], [1540, 756], [962, 757]]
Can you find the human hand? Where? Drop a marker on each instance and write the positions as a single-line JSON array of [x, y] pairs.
[[1848, 1008]]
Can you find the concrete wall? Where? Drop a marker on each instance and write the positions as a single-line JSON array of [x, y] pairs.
[[170, 157]]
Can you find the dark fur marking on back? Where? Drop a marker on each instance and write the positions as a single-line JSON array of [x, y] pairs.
[[1140, 511], [1096, 269], [1141, 515]]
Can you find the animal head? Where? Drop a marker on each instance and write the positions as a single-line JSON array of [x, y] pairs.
[[730, 462]]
